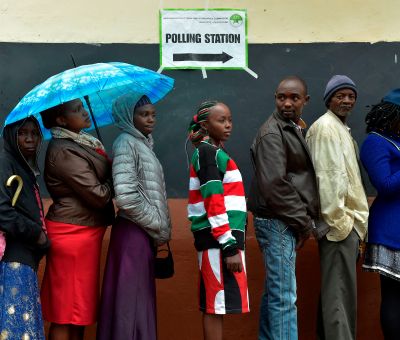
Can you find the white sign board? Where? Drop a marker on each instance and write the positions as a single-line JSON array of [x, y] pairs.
[[211, 39]]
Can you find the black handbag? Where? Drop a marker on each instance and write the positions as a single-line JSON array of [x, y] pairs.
[[164, 266]]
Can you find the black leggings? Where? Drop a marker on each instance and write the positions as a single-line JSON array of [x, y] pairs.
[[390, 308]]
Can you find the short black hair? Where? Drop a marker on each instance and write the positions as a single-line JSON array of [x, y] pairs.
[[296, 78], [50, 115]]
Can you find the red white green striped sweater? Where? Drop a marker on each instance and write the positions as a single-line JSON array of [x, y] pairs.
[[217, 204]]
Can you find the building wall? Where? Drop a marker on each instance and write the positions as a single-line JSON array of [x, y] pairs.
[[312, 38], [134, 21]]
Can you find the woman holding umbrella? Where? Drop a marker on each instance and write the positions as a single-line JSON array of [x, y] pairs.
[[78, 178], [128, 303]]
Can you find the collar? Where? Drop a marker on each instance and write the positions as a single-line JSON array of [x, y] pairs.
[[301, 125], [338, 120], [207, 140], [330, 113]]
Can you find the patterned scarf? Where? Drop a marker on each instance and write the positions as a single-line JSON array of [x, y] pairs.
[[82, 138]]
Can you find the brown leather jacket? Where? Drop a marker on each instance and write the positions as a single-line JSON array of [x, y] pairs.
[[80, 184], [284, 186]]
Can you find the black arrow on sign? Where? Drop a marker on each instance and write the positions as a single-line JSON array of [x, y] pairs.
[[224, 57]]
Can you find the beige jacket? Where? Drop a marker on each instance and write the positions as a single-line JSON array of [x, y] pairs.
[[335, 157]]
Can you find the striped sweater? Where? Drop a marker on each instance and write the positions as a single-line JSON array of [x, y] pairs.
[[217, 204]]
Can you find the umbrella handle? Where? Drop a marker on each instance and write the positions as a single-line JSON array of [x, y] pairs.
[[19, 188]]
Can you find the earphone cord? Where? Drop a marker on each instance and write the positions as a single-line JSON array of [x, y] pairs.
[[187, 153]]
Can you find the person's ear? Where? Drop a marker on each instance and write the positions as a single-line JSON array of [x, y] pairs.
[[307, 99], [60, 120]]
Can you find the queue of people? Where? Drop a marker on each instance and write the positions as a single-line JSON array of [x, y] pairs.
[[307, 182]]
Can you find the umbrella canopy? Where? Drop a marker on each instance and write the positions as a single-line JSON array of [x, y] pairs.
[[102, 83]]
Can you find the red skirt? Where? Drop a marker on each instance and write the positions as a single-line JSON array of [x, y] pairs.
[[70, 287]]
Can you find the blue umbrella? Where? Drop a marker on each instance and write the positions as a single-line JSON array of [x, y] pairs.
[[102, 83]]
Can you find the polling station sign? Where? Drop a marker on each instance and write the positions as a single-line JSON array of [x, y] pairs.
[[203, 38]]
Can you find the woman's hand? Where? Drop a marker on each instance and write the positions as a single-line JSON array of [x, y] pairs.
[[42, 239], [110, 185], [234, 263]]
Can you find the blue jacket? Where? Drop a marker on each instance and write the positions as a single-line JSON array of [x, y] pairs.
[[380, 156]]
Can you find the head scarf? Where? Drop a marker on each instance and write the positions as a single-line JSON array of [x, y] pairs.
[[10, 137], [123, 110], [196, 132]]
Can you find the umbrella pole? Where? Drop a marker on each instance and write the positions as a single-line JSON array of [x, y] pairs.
[[93, 119]]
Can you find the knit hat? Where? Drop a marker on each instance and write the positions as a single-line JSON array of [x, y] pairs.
[[393, 97], [336, 83], [144, 100]]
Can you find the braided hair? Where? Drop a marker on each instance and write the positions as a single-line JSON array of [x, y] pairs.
[[196, 132], [382, 116]]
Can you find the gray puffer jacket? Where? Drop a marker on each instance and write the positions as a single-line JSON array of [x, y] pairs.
[[139, 179]]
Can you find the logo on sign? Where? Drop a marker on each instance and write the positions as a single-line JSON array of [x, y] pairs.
[[236, 20]]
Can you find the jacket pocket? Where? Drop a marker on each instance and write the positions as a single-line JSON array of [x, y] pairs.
[[142, 192]]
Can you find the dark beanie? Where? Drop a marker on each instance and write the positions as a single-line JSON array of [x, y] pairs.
[[393, 97], [336, 83], [144, 100]]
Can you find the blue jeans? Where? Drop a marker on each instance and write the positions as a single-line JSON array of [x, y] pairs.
[[278, 314]]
